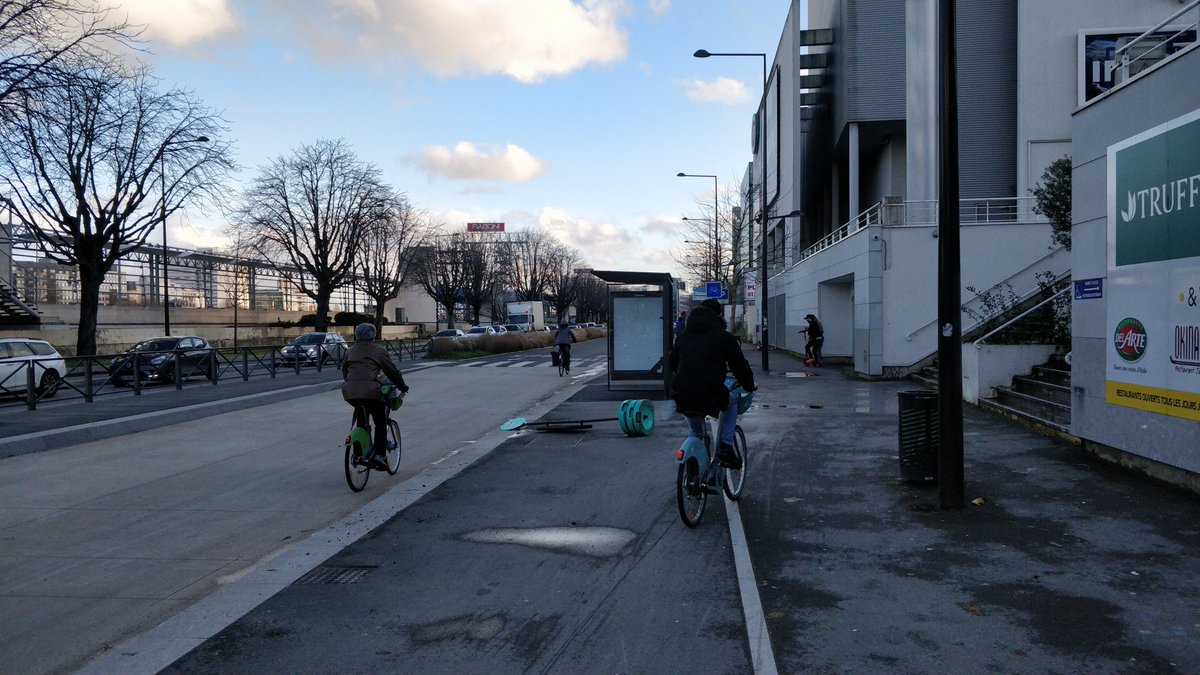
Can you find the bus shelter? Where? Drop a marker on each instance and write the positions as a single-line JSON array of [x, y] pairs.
[[640, 308]]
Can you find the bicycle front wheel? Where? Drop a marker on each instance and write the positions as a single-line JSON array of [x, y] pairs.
[[735, 479], [393, 447], [689, 494], [357, 468]]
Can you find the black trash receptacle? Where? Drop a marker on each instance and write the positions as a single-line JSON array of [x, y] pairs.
[[918, 435]]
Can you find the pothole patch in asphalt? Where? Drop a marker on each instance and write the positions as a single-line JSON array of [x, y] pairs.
[[599, 542]]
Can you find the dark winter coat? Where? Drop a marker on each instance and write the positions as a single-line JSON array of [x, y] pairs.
[[699, 360], [361, 367]]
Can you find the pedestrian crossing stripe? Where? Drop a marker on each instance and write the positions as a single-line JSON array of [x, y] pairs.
[[581, 363]]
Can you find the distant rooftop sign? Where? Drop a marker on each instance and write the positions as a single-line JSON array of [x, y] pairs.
[[485, 227]]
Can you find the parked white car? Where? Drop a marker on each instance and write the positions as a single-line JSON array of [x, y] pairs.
[[481, 330], [452, 333], [18, 355]]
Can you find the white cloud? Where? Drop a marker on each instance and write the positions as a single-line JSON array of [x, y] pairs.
[[527, 40], [660, 7], [609, 245], [721, 90], [511, 163], [183, 24]]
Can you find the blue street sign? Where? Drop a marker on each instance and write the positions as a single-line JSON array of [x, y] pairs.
[[714, 289], [1089, 289]]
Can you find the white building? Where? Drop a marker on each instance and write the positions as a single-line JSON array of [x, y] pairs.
[[851, 127]]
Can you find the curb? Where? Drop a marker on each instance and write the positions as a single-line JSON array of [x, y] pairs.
[[39, 441]]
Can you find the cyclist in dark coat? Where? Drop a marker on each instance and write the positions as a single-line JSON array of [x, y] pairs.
[[699, 360], [362, 365]]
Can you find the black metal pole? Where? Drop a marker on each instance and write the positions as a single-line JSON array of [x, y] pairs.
[[762, 207], [950, 417], [162, 165]]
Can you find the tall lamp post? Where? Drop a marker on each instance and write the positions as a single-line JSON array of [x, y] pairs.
[[162, 174], [762, 124], [716, 213]]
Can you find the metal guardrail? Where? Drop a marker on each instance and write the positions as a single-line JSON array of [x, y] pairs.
[[1020, 316], [92, 376], [1125, 56]]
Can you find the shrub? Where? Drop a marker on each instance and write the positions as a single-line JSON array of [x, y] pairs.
[[307, 321], [353, 318]]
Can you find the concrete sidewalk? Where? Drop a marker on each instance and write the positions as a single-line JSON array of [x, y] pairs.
[[1057, 563]]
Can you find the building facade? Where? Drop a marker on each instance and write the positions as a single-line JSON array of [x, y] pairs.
[[852, 143]]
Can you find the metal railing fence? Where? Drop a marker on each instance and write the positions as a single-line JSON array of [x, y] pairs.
[[88, 377]]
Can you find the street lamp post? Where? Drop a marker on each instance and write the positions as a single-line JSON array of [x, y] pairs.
[[762, 124], [162, 174], [716, 219]]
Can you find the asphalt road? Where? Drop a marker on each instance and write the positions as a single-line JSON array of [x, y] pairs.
[[105, 539]]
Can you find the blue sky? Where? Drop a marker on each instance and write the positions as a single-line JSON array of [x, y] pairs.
[[573, 115]]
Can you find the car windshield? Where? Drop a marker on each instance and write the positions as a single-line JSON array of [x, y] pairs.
[[446, 333], [309, 339], [477, 330], [159, 345]]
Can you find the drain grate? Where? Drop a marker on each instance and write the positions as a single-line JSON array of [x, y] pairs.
[[335, 575]]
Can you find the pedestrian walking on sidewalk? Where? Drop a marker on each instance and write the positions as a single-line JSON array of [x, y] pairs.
[[816, 339], [702, 354]]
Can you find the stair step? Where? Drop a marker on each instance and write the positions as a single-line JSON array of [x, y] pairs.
[[924, 379], [1041, 389], [1052, 375], [1015, 413], [1034, 406]]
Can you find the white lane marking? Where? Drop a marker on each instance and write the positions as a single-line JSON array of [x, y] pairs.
[[762, 657], [523, 364]]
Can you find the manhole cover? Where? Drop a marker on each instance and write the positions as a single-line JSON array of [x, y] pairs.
[[334, 575]]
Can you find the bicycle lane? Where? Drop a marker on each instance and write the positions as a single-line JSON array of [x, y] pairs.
[[555, 552]]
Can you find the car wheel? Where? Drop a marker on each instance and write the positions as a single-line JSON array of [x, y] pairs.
[[49, 384]]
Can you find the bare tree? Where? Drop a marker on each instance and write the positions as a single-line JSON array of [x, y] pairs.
[[480, 272], [562, 283], [238, 284], [386, 260], [93, 165], [308, 213], [441, 270], [531, 251], [716, 249], [591, 298], [40, 39]]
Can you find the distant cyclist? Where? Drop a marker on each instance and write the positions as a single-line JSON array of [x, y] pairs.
[[563, 339], [364, 362], [702, 354]]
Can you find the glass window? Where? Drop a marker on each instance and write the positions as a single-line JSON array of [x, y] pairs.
[[20, 349], [43, 349]]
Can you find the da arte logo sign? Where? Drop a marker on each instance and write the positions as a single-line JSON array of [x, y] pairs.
[[1130, 340]]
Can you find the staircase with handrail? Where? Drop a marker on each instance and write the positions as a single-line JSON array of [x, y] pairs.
[[15, 309]]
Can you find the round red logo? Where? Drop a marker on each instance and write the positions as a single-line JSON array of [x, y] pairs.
[[1130, 339]]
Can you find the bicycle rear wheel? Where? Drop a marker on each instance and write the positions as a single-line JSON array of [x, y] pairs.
[[735, 479], [689, 494], [393, 448], [357, 467]]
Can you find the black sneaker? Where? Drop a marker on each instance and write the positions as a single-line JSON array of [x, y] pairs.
[[728, 458]]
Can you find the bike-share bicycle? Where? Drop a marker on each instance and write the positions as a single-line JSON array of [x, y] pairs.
[[359, 460], [700, 474]]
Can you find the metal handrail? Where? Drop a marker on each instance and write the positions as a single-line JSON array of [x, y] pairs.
[[1119, 55], [1016, 318]]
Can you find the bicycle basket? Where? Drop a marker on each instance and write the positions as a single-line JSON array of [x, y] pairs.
[[744, 399], [393, 396]]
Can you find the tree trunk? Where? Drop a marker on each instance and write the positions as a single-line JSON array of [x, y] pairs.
[[379, 315], [322, 322], [449, 315], [89, 306]]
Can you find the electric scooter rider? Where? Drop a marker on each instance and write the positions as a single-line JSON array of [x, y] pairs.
[[702, 354], [361, 368]]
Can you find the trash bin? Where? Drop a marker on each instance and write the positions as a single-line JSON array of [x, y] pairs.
[[918, 435]]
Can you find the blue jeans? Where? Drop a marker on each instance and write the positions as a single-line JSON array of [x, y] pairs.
[[725, 425]]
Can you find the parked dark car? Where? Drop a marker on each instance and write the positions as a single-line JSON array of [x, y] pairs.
[[307, 348], [158, 358]]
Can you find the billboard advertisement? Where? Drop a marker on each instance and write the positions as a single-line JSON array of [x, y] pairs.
[[1153, 318], [485, 227]]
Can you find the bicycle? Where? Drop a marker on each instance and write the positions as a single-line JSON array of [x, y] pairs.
[[358, 458], [693, 484], [564, 359]]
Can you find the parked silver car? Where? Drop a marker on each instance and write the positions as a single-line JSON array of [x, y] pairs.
[[308, 348], [19, 355]]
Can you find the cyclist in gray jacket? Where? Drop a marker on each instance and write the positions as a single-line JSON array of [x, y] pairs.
[[362, 365]]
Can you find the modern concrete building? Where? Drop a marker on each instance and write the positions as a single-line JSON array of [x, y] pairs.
[[1135, 377], [851, 141]]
